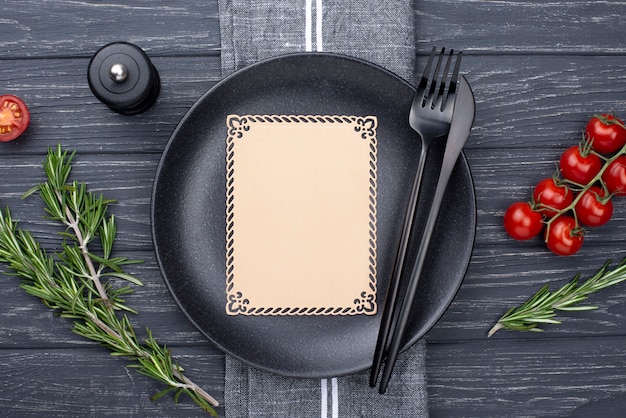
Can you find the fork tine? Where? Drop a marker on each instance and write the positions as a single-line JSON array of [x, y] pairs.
[[442, 85], [455, 79], [426, 75], [429, 99], [440, 101]]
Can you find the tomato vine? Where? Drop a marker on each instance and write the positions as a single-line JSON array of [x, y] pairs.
[[580, 193]]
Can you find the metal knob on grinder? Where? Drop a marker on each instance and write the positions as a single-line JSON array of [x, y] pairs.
[[122, 77]]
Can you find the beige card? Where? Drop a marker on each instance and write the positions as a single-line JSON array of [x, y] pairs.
[[301, 215]]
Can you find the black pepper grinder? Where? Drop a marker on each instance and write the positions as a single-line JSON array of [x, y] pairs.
[[122, 77]]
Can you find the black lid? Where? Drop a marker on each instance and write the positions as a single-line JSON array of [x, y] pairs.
[[122, 76]]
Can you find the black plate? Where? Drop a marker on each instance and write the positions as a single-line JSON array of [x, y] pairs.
[[188, 213]]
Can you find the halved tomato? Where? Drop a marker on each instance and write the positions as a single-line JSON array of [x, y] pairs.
[[14, 117]]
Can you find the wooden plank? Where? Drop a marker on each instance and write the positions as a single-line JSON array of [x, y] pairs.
[[502, 277], [192, 27], [540, 101], [524, 27], [501, 177], [26, 322], [65, 28], [89, 382], [544, 378], [522, 102], [480, 378], [498, 279], [63, 109]]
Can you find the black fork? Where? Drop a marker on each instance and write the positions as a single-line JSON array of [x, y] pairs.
[[430, 116]]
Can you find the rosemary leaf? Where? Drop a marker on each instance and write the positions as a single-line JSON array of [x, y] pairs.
[[71, 281], [541, 307]]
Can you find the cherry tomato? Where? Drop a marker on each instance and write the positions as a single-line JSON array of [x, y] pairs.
[[563, 237], [521, 222], [14, 117], [606, 133], [615, 176], [593, 208], [551, 197], [578, 167]]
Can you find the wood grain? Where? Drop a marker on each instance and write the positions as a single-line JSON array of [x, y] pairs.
[[192, 27], [523, 378], [88, 382], [522, 102], [535, 27], [538, 69], [66, 28]]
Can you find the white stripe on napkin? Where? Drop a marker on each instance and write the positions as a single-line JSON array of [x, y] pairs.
[[308, 25], [335, 397], [318, 24], [324, 396], [334, 403]]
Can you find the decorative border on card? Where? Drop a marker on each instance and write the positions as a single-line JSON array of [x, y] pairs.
[[365, 301]]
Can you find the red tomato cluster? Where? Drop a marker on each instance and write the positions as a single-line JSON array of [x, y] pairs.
[[590, 175]]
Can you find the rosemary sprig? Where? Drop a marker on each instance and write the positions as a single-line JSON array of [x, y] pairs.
[[541, 307], [71, 281]]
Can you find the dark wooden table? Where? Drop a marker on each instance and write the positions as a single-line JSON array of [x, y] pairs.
[[539, 70]]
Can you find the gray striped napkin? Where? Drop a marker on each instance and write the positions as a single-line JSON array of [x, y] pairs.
[[379, 31], [252, 393]]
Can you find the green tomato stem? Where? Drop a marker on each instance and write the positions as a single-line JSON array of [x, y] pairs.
[[584, 188]]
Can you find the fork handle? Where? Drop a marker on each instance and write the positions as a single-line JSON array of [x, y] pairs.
[[407, 303], [394, 284]]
